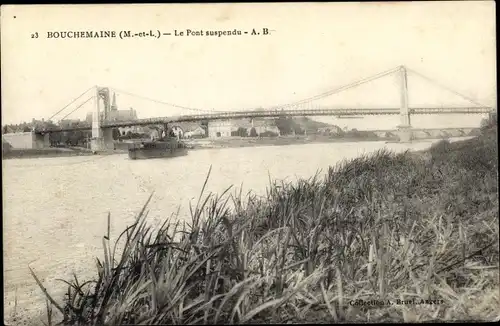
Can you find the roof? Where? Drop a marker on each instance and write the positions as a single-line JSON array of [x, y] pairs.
[[188, 126]]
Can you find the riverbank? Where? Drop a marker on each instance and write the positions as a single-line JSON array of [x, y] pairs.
[[197, 144], [235, 142], [15, 153], [382, 237]]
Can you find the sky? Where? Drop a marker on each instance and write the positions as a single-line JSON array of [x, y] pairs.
[[312, 49]]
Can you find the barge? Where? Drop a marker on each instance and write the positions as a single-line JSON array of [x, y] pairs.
[[161, 148]]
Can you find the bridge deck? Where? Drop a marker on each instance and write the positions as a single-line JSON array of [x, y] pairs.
[[277, 113]]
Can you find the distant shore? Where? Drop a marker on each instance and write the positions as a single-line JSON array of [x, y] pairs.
[[197, 144]]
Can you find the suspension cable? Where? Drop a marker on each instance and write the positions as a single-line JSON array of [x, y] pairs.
[[445, 87], [161, 102], [74, 100], [340, 89], [79, 106], [331, 92]]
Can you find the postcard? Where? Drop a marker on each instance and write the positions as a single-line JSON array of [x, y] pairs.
[[249, 163]]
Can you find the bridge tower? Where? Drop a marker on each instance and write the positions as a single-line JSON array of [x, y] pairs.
[[404, 129], [102, 139]]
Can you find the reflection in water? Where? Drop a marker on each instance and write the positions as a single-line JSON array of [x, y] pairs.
[[55, 209]]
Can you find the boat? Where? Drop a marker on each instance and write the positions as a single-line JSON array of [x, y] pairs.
[[167, 147]]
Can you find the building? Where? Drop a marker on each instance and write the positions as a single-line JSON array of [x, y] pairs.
[[190, 129], [228, 127], [262, 126], [197, 132], [120, 116], [220, 128]]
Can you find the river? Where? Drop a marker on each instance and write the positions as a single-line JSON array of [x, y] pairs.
[[55, 209]]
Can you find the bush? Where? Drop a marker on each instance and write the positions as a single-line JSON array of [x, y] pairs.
[[379, 227]]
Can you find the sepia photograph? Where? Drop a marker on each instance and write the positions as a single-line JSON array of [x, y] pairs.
[[274, 163]]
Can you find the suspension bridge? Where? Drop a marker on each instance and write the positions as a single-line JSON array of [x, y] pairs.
[[102, 124]]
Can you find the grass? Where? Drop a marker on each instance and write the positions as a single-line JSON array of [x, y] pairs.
[[382, 229]]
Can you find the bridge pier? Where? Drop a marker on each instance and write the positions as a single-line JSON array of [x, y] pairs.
[[102, 139], [41, 140], [404, 132], [104, 142]]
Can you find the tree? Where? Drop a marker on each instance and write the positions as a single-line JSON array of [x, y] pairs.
[[242, 132], [285, 125], [298, 130], [253, 132], [55, 138]]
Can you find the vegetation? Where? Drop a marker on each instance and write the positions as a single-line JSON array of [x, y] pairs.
[[253, 132], [356, 134], [268, 133], [384, 228], [241, 132]]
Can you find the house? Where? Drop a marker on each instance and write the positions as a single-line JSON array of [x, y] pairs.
[[227, 128], [197, 132], [190, 129], [260, 126], [219, 128], [265, 125]]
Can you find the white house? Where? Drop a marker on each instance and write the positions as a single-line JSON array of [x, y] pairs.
[[219, 128], [198, 131]]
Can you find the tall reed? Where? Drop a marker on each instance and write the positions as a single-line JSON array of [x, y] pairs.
[[385, 228]]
